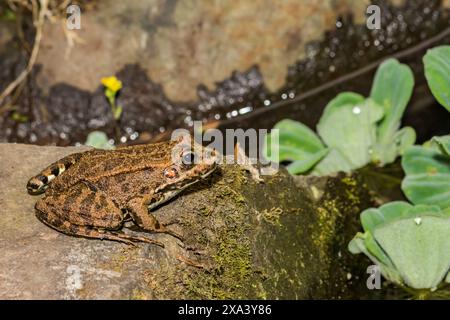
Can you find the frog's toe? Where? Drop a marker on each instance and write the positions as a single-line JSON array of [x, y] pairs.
[[126, 238]]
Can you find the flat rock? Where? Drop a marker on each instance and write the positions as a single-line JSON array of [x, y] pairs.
[[40, 263]]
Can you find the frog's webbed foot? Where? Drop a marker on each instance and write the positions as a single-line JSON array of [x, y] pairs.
[[39, 183], [138, 211]]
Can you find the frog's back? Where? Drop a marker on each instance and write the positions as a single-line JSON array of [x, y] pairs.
[[127, 159], [96, 164]]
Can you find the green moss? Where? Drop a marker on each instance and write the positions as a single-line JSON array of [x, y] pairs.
[[272, 216], [8, 15], [351, 191], [230, 268], [206, 211], [138, 295], [233, 259], [324, 233], [230, 273]]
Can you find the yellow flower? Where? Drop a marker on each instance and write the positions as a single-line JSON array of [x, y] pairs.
[[112, 83]]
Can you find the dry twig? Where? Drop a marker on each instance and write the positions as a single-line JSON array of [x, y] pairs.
[[39, 11]]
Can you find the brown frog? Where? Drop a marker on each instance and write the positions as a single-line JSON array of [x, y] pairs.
[[91, 193]]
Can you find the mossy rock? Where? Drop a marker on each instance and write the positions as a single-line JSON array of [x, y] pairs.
[[285, 238]]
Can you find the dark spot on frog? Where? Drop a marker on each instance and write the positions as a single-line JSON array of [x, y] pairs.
[[90, 185], [55, 171], [125, 187], [144, 190], [87, 203], [57, 222], [43, 179], [68, 203], [120, 178], [103, 201], [73, 228], [33, 186], [42, 214], [111, 164], [82, 167]]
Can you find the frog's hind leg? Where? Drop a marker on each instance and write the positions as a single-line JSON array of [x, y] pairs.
[[83, 212], [39, 183], [72, 229]]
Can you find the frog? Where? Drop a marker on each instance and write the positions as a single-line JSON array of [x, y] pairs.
[[92, 194]]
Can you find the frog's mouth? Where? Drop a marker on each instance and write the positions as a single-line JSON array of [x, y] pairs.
[[167, 194]]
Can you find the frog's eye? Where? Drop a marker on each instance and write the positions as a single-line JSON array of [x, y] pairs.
[[170, 173], [188, 158]]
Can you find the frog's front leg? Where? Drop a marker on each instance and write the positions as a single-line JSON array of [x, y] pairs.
[[83, 212], [138, 209]]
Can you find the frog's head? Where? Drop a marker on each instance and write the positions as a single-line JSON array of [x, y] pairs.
[[190, 164]]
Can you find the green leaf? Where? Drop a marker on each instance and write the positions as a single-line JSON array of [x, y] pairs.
[[427, 178], [400, 141], [333, 162], [444, 144], [419, 248], [348, 125], [19, 117], [437, 72], [371, 218], [365, 243], [8, 15], [359, 244], [296, 143], [356, 245], [403, 139], [392, 88], [99, 140], [301, 166], [409, 243]]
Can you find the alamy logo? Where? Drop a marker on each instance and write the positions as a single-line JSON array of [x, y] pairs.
[[374, 17], [374, 280], [74, 17], [233, 147]]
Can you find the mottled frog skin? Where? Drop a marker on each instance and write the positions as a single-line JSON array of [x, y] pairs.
[[91, 194]]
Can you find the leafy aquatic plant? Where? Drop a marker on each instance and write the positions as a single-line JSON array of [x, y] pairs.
[[353, 131], [427, 167], [409, 243]]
